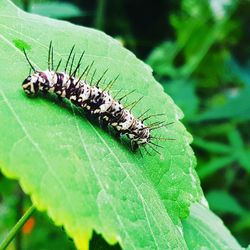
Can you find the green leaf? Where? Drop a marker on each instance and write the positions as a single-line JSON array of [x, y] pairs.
[[197, 29], [204, 230], [80, 174], [213, 147], [223, 202], [214, 165], [235, 107], [61, 10], [183, 93], [235, 140], [243, 223], [162, 57], [244, 159], [241, 152]]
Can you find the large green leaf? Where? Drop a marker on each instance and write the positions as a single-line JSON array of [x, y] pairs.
[[80, 174], [204, 230]]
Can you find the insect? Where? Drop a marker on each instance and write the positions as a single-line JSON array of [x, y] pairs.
[[96, 102]]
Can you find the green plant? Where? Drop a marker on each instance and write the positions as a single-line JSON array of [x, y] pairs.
[[201, 69], [79, 174]]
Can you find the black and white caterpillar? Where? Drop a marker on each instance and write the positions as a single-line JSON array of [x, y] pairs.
[[95, 101]]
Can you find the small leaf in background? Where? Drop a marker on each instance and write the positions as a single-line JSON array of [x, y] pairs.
[[215, 165], [161, 59], [223, 202], [238, 148], [234, 152], [243, 224], [213, 147], [183, 93], [60, 10], [230, 108]]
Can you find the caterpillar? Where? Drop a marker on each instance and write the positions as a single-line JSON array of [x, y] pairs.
[[96, 102]]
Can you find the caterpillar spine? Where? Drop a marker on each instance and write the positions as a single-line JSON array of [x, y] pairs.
[[94, 100]]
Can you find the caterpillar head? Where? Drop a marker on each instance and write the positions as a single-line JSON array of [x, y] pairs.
[[31, 84]]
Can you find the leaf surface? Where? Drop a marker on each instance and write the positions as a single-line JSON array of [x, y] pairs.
[[80, 174], [204, 230]]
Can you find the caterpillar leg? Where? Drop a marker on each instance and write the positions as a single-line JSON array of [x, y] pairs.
[[60, 99], [134, 146], [117, 134], [44, 93]]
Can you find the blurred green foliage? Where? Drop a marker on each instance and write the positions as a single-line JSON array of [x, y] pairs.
[[199, 51], [201, 69], [56, 10]]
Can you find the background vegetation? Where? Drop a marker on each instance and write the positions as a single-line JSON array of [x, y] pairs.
[[199, 51]]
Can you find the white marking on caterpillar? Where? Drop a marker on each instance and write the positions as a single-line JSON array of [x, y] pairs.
[[94, 100]]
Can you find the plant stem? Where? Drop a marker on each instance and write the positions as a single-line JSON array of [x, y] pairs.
[[16, 228], [19, 213]]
